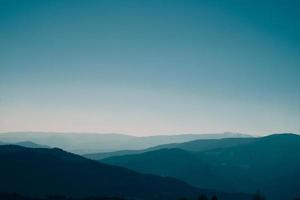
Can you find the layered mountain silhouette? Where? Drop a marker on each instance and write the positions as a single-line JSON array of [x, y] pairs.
[[28, 144], [31, 144], [195, 145], [94, 142], [270, 164], [40, 171]]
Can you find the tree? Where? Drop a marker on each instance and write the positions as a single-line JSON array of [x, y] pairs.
[[258, 196], [183, 198], [214, 197], [202, 197]]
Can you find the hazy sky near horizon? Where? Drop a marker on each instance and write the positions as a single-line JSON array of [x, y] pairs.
[[150, 67]]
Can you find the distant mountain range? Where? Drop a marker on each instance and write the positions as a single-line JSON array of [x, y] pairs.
[[26, 144], [31, 145], [234, 163], [40, 172], [195, 145], [270, 164], [94, 143]]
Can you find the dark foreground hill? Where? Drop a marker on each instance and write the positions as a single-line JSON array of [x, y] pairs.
[[40, 172], [270, 164]]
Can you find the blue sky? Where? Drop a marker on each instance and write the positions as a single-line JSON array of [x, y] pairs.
[[150, 67]]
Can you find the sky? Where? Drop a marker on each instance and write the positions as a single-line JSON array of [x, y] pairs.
[[150, 67]]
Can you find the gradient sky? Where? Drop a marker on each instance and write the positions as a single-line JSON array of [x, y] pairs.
[[150, 67]]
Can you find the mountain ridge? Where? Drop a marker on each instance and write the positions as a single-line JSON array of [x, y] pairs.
[[194, 145], [82, 143], [261, 164], [41, 171]]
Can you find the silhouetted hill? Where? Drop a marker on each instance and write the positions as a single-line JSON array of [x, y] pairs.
[[96, 142], [185, 165], [39, 172], [208, 144], [195, 145], [270, 164], [168, 162]]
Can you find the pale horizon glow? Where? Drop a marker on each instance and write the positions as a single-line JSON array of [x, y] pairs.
[[139, 134]]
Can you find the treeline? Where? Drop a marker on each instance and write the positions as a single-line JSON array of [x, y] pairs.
[[9, 196], [256, 196], [202, 197]]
